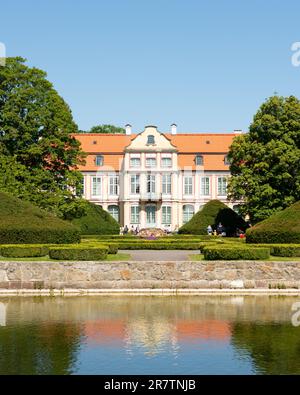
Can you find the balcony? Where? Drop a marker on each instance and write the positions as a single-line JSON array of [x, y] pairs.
[[150, 197]]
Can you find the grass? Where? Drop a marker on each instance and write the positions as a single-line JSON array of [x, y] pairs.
[[200, 257], [110, 258]]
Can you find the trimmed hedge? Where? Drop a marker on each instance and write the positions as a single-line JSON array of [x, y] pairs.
[[284, 250], [235, 253], [79, 253], [23, 251], [158, 246], [283, 227], [213, 213], [23, 223], [97, 221]]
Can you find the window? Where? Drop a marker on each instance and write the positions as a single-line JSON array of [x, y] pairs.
[[96, 186], [150, 183], [150, 215], [222, 186], [188, 185], [205, 186], [114, 212], [226, 160], [113, 185], [135, 214], [135, 162], [150, 162], [150, 140], [81, 191], [166, 184], [199, 160], [99, 160], [166, 162], [188, 212], [135, 184], [166, 215]]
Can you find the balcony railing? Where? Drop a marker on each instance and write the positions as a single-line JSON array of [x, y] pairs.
[[150, 196]]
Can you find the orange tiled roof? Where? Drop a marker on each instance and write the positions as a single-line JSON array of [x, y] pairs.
[[210, 162], [112, 147]]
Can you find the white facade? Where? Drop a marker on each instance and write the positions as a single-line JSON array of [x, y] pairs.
[[150, 189]]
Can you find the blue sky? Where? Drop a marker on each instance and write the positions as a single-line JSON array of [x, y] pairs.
[[205, 65]]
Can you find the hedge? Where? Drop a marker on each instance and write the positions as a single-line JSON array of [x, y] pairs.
[[236, 253], [79, 253], [112, 247], [213, 213], [24, 251], [97, 221], [284, 250], [158, 246], [283, 227], [23, 223]]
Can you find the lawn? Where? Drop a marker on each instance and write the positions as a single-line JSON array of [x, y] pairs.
[[110, 258]]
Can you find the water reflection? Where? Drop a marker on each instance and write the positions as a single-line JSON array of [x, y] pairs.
[[148, 335]]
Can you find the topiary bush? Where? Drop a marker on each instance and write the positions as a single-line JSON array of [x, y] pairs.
[[282, 227], [23, 223], [97, 221], [23, 251], [74, 253], [235, 253], [213, 213]]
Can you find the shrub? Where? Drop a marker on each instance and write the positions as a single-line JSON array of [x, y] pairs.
[[212, 213], [23, 223], [235, 253], [23, 251], [282, 227], [97, 221], [74, 253], [153, 245]]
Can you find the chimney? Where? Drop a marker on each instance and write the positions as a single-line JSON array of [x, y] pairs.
[[173, 128], [237, 131], [128, 129]]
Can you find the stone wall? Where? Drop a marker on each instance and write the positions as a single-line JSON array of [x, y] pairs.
[[149, 275]]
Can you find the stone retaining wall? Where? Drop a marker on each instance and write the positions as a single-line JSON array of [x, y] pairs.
[[150, 275]]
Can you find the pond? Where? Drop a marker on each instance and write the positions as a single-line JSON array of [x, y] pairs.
[[149, 335]]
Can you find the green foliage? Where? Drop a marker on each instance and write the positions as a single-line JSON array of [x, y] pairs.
[[23, 223], [38, 155], [96, 221], [107, 129], [281, 227], [23, 251], [212, 213], [215, 253], [154, 245], [78, 253], [265, 163]]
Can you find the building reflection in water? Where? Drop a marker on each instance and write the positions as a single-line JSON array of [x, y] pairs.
[[48, 335]]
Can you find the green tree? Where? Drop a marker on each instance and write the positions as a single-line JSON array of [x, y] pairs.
[[38, 155], [107, 129], [265, 163]]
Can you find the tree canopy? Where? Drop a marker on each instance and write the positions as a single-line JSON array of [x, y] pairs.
[[106, 129], [38, 155], [265, 163]]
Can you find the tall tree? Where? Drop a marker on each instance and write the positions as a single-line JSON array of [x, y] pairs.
[[265, 163], [36, 143], [107, 129]]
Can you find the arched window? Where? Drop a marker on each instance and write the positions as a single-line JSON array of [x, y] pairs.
[[114, 212], [99, 160], [199, 160], [188, 212], [150, 139]]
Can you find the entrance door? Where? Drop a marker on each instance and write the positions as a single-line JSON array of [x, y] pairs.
[[151, 216]]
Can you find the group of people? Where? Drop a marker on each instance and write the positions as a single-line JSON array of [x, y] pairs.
[[125, 230], [218, 231]]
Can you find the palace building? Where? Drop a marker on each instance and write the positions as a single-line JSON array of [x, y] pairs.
[[155, 179]]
